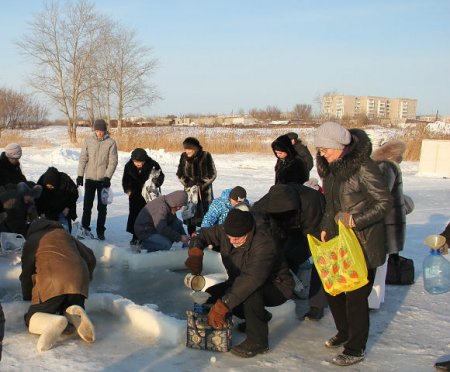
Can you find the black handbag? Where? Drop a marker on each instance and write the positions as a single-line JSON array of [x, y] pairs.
[[400, 270]]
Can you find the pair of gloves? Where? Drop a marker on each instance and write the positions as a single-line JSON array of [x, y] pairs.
[[106, 181], [218, 312]]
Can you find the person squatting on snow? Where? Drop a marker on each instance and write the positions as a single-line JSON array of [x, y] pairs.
[[293, 211], [56, 270], [10, 171], [356, 195], [58, 201], [135, 174], [258, 277], [98, 161], [157, 225], [289, 167], [18, 201], [196, 168], [219, 208], [301, 150]]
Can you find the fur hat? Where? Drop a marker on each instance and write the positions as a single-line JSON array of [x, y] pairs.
[[391, 150], [238, 193], [292, 135], [283, 143], [29, 188], [139, 154], [191, 143], [238, 223], [13, 151], [332, 135], [100, 124]]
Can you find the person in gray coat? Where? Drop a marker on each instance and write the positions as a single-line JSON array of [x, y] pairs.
[[357, 195], [157, 225], [98, 161]]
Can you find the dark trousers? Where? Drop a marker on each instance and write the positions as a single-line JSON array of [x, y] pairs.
[[351, 315], [252, 309], [90, 188], [317, 297], [55, 305], [2, 329]]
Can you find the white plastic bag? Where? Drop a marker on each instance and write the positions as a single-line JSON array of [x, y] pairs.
[[11, 242], [107, 195], [189, 211], [149, 190]]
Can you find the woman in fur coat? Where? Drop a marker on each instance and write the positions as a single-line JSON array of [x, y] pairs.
[[196, 168], [136, 172]]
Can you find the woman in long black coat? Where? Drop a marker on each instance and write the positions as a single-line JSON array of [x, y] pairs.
[[58, 201], [289, 167], [136, 172], [196, 168], [356, 194]]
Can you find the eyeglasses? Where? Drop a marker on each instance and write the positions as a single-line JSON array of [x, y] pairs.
[[322, 150]]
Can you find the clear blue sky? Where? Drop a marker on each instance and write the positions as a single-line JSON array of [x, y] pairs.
[[217, 56]]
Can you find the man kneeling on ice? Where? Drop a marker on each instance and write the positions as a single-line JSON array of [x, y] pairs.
[[257, 277], [56, 270]]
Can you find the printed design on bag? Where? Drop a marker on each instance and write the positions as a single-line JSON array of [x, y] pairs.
[[340, 262]]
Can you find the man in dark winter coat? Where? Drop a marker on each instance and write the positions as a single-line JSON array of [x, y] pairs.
[[258, 276], [289, 167], [293, 211], [18, 201], [196, 171], [10, 171], [98, 162], [157, 225], [136, 172], [355, 194], [301, 150], [58, 201], [56, 270]]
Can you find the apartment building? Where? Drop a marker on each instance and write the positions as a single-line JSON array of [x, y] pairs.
[[396, 109]]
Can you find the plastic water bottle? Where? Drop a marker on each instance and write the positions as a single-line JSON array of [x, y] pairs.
[[436, 273]]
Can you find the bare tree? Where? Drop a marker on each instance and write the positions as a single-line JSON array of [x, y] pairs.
[[20, 110], [302, 112], [62, 42], [131, 69]]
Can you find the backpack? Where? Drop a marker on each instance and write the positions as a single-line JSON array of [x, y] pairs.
[[400, 270]]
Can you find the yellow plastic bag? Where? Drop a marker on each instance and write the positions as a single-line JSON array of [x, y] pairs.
[[340, 261]]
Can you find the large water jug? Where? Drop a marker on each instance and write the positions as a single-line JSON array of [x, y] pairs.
[[436, 269]]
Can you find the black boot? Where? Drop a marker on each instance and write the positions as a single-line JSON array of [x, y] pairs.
[[249, 349]]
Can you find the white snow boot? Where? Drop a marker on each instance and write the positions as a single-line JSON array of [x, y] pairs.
[[49, 326], [78, 318]]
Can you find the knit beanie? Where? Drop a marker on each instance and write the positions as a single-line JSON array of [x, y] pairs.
[[51, 176], [139, 154], [238, 193], [191, 143], [332, 135], [13, 151], [100, 124], [238, 223]]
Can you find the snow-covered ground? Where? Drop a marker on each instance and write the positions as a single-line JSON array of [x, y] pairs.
[[138, 301]]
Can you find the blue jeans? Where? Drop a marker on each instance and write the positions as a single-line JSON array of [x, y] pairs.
[[157, 242]]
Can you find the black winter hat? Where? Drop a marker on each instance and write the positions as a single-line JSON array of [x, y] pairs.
[[238, 193], [238, 223], [191, 143], [100, 124], [292, 135], [282, 198], [51, 176], [283, 143], [139, 154]]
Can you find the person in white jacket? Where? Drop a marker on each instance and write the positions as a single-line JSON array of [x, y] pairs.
[[98, 161]]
